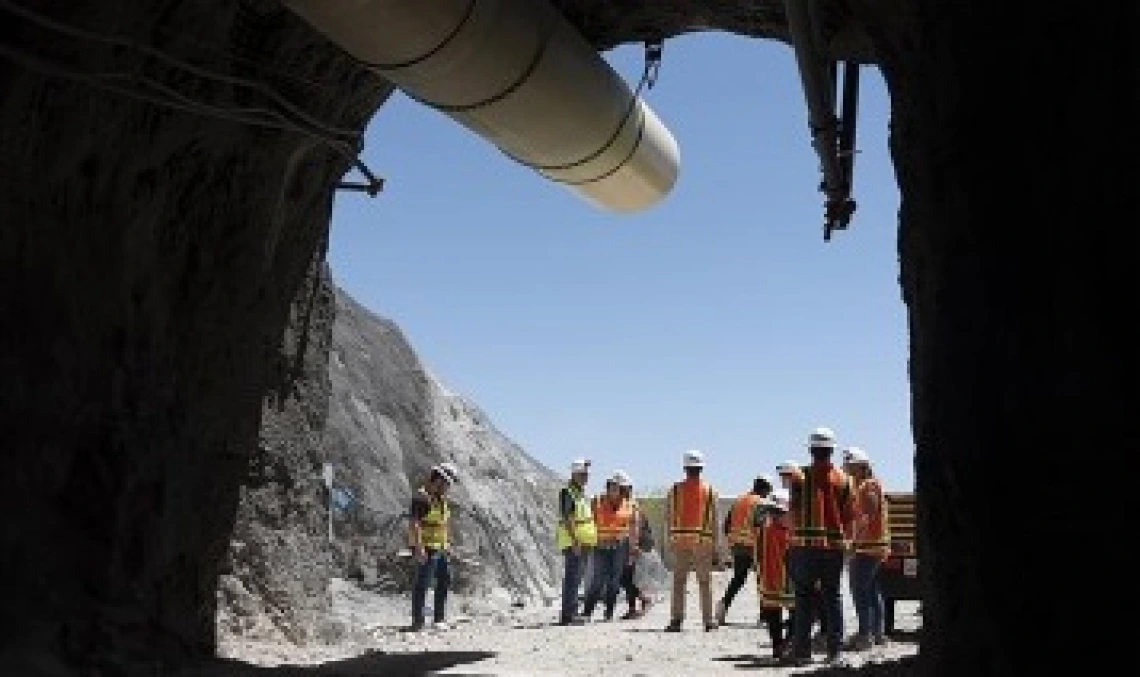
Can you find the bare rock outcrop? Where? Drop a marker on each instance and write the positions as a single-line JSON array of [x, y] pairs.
[[365, 403], [390, 420]]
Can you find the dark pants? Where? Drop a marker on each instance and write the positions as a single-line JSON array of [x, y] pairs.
[[741, 565], [866, 593], [604, 583], [573, 564], [774, 621], [632, 592], [436, 569], [811, 567]]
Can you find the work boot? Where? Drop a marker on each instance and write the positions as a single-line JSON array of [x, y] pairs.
[[721, 612], [674, 625], [819, 642], [631, 614], [835, 659], [790, 659], [609, 614], [572, 621], [416, 626], [858, 642], [881, 640], [710, 626]]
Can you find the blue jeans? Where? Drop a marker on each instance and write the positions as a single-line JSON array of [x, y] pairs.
[[867, 594], [435, 567], [605, 583], [808, 568], [571, 581]]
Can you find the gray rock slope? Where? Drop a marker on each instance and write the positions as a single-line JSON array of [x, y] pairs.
[[365, 403], [389, 421]]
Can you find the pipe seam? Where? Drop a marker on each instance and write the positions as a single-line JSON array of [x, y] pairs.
[[415, 61]]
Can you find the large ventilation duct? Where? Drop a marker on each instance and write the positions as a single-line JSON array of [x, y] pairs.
[[516, 73]]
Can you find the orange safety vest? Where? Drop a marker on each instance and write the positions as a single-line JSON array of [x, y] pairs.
[[875, 538], [740, 520], [691, 504], [822, 504], [612, 522], [773, 584]]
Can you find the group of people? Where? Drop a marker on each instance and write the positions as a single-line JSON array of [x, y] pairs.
[[798, 536]]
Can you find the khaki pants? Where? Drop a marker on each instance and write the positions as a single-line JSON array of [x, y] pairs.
[[698, 559]]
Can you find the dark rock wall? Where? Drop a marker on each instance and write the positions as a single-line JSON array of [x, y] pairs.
[[149, 259], [1018, 245]]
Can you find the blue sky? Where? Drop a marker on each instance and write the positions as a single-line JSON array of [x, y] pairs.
[[717, 320]]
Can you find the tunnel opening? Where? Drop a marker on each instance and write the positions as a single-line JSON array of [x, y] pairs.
[[145, 317]]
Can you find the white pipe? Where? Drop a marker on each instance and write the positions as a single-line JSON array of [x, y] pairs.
[[516, 73]]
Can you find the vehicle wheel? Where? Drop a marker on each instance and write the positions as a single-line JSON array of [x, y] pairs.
[[889, 616]]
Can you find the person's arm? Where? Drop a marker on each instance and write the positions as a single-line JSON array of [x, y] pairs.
[[718, 539], [415, 528], [667, 511], [634, 528], [567, 509]]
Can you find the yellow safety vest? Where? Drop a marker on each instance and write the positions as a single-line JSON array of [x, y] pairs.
[[433, 525], [584, 528]]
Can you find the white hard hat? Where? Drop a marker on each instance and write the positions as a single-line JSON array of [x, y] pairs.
[[693, 459], [622, 479], [821, 438], [787, 468], [779, 498], [580, 465], [448, 471], [855, 455]]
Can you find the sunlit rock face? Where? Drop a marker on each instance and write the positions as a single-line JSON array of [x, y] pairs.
[[160, 267]]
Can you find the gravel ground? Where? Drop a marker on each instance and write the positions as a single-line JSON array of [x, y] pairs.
[[491, 637]]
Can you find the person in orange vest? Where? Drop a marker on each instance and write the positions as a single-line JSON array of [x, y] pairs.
[[822, 506], [690, 519], [870, 546], [738, 528], [637, 522], [788, 472], [612, 516], [773, 584]]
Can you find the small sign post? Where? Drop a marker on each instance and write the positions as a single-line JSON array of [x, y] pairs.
[[328, 474]]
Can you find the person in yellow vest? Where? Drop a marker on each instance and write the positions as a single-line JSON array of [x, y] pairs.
[[871, 545], [613, 515], [739, 529], [822, 508], [576, 535], [773, 584], [428, 539], [690, 520]]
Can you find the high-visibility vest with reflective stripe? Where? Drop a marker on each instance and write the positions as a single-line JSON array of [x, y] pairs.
[[433, 525], [612, 522], [740, 520], [876, 538], [773, 583], [583, 519], [691, 504], [822, 500]]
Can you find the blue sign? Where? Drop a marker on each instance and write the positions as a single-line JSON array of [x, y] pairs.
[[342, 498]]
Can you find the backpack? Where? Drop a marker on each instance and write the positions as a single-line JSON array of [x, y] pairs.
[[645, 535]]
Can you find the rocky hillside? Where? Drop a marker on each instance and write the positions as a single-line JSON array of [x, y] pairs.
[[366, 404], [389, 421]]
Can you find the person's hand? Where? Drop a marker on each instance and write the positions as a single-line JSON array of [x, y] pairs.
[[634, 551], [421, 554]]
